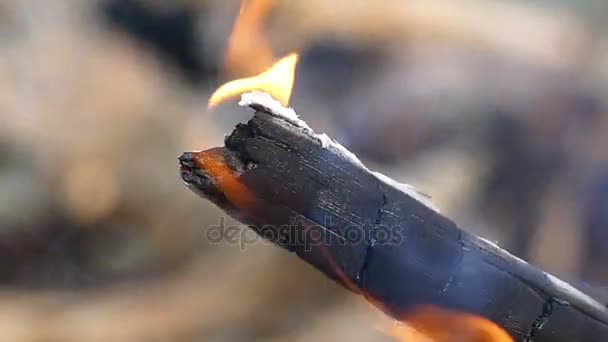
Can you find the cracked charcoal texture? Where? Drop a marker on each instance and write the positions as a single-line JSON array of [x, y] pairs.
[[430, 259]]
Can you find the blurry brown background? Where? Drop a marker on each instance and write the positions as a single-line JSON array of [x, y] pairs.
[[497, 109]]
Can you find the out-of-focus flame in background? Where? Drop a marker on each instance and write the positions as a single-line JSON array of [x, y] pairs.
[[434, 324], [249, 53]]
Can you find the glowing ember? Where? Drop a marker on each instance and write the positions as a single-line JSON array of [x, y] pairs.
[[432, 324], [277, 81], [212, 161], [249, 53]]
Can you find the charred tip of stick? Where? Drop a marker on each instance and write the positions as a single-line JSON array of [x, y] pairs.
[[235, 142], [194, 166], [186, 161], [192, 173], [199, 181], [188, 171]]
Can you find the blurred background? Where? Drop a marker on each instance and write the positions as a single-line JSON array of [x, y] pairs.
[[496, 109]]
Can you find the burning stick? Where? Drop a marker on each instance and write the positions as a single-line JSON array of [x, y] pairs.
[[378, 238], [313, 197]]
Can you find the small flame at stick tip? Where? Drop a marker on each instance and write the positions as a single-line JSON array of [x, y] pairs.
[[276, 81], [249, 53]]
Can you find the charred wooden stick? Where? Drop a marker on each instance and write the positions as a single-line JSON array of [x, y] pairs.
[[379, 238]]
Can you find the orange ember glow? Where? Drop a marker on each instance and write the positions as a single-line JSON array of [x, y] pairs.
[[249, 54], [225, 179], [432, 324]]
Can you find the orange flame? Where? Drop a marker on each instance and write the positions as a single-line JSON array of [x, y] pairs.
[[277, 81], [249, 53], [433, 324]]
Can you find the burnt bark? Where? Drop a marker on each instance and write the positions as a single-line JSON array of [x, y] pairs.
[[379, 241]]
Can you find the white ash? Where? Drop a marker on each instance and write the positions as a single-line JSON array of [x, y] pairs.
[[553, 280], [574, 292], [407, 189], [334, 146], [257, 99]]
